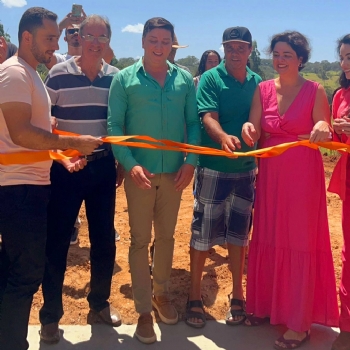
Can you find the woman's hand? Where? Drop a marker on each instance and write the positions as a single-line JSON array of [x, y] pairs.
[[249, 134], [342, 126], [321, 132]]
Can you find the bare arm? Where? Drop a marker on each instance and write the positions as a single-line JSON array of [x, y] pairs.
[[17, 116], [251, 130], [212, 126], [321, 117]]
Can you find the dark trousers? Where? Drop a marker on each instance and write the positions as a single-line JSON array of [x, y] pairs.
[[95, 184], [23, 218]]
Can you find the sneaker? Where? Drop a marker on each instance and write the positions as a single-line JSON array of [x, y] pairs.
[[166, 310], [74, 237], [144, 330], [117, 236]]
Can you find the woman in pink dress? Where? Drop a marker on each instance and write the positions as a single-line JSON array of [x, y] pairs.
[[340, 184], [290, 269]]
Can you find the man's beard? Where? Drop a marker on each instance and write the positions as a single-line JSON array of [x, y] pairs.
[[38, 55], [74, 43]]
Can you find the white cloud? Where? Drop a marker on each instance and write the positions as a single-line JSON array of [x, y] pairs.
[[136, 28], [14, 3], [221, 48]]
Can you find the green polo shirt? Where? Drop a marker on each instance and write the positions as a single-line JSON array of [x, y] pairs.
[[138, 105], [222, 93]]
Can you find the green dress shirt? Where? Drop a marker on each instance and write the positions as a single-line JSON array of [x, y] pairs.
[[138, 105]]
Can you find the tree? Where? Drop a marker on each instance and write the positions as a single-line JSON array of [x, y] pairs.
[[125, 62], [114, 62], [255, 61], [2, 33], [191, 62]]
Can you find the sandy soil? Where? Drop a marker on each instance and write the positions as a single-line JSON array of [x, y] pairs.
[[216, 278]]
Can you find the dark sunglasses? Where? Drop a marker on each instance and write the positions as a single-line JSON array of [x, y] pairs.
[[72, 31]]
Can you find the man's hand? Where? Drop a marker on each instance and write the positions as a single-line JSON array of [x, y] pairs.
[[229, 143], [86, 144], [184, 176], [71, 21], [54, 123], [74, 164], [249, 134], [141, 176], [120, 175], [3, 49], [342, 126]]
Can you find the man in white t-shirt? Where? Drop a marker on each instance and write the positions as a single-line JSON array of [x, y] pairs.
[[25, 126]]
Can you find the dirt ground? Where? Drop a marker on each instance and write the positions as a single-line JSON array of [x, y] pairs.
[[216, 278]]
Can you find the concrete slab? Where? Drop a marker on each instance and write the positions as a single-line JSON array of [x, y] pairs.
[[215, 335]]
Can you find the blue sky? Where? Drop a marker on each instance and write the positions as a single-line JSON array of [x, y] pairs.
[[200, 23]]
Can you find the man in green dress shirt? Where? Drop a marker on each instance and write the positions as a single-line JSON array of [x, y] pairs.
[[154, 97]]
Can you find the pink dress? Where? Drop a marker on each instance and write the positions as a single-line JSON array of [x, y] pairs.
[[340, 184], [290, 269]]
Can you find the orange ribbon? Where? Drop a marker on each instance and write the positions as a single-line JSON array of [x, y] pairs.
[[28, 157]]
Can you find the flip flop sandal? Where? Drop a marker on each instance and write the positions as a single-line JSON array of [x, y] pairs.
[[291, 343], [195, 314], [234, 313], [255, 321]]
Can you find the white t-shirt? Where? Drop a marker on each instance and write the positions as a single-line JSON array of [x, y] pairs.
[[62, 58], [19, 82]]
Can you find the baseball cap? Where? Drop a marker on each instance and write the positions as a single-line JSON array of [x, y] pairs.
[[241, 34]]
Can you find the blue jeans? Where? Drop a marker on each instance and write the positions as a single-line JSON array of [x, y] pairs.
[[95, 184], [23, 220]]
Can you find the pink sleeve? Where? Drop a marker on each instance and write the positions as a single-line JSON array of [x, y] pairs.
[[16, 85]]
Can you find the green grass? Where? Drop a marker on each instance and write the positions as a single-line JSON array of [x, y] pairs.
[[332, 81]]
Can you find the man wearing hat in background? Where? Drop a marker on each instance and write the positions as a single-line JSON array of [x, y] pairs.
[[171, 57], [224, 189]]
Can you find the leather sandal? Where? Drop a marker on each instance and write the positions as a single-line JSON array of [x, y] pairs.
[[234, 313], [291, 343], [255, 321], [195, 314]]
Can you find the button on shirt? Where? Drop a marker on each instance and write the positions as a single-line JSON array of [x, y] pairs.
[[138, 105]]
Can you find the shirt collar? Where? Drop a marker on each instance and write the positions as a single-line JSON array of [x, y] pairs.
[[222, 71], [139, 65], [73, 68]]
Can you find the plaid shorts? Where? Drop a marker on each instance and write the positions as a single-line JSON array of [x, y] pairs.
[[222, 208]]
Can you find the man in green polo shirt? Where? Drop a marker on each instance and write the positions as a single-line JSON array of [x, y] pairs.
[[154, 97], [224, 189]]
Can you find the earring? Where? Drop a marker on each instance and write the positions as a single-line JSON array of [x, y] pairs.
[[300, 65]]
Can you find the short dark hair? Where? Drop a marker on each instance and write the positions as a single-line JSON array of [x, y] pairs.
[[297, 41], [32, 19], [203, 61], [158, 22], [344, 83], [96, 18]]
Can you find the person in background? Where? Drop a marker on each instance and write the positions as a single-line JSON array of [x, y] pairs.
[[171, 57], [25, 188], [7, 49], [290, 277], [154, 179], [209, 60], [340, 184]]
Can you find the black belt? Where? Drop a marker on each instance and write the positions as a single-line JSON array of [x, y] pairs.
[[97, 155]]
